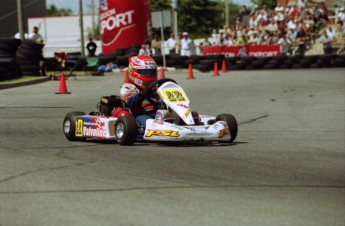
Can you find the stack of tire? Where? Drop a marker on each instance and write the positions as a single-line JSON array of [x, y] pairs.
[[132, 51], [339, 61], [195, 61], [209, 62], [8, 49], [28, 58]]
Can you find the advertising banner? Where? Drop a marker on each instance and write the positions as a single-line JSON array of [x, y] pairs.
[[264, 50], [124, 23], [232, 51]]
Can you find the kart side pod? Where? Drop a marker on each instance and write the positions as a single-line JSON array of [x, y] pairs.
[[120, 111]]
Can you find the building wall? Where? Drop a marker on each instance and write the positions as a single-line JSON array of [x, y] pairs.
[[9, 16], [62, 34]]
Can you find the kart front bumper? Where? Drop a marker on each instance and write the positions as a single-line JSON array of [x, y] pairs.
[[164, 131]]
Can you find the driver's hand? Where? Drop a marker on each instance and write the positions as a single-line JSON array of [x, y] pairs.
[[143, 92]]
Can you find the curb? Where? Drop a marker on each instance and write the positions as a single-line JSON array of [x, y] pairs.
[[24, 83]]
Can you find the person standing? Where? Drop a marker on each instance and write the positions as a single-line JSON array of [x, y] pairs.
[[300, 41], [285, 44], [327, 43], [156, 45], [35, 36], [38, 38], [171, 44], [186, 45], [144, 50], [91, 47]]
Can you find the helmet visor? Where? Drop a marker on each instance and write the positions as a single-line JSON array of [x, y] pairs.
[[148, 72]]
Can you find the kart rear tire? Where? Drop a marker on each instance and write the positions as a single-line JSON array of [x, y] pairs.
[[232, 124], [69, 126], [126, 130]]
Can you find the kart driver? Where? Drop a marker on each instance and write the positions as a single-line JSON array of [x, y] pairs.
[[142, 71]]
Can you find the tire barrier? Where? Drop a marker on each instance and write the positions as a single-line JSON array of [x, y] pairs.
[[28, 58], [206, 63], [8, 67]]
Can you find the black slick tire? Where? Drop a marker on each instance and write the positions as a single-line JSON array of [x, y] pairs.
[[69, 126], [232, 124]]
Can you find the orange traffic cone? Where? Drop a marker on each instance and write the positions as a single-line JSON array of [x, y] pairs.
[[162, 75], [224, 69], [62, 86], [190, 72], [125, 78], [215, 69]]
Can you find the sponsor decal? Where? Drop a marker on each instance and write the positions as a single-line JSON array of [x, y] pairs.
[[104, 100], [90, 132], [79, 128], [182, 105], [137, 61], [162, 133], [110, 20], [90, 127], [224, 132], [187, 112], [231, 51], [139, 82], [190, 128], [264, 54]]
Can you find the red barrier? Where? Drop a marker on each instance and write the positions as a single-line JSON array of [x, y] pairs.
[[232, 51]]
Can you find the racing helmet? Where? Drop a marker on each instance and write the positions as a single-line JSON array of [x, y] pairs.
[[142, 71]]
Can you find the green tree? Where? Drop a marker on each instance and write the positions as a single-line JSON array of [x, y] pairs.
[[234, 10], [160, 5], [199, 17], [270, 4], [54, 11]]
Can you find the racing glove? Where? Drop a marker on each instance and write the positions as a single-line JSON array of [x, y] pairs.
[[143, 93]]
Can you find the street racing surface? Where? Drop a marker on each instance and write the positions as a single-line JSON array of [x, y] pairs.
[[286, 166]]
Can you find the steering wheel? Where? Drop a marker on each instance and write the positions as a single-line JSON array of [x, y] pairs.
[[150, 89]]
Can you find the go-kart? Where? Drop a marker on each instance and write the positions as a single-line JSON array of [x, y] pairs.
[[174, 121]]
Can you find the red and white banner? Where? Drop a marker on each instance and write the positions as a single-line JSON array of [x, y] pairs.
[[232, 51], [124, 23]]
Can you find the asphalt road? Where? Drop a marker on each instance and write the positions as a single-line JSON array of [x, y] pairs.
[[287, 166]]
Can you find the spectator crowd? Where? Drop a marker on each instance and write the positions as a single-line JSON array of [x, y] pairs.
[[294, 28]]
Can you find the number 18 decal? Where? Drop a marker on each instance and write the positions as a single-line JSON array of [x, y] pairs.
[[175, 96]]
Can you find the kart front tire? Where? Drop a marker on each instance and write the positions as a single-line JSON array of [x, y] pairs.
[[126, 130], [69, 124], [232, 124]]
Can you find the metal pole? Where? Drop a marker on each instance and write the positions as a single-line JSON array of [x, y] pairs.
[[93, 17], [81, 27], [226, 13], [175, 26], [20, 19], [162, 39]]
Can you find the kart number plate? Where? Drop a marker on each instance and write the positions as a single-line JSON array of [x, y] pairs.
[[175, 95]]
